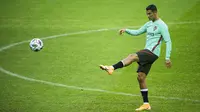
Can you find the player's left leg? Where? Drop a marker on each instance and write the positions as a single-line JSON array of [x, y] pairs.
[[144, 91], [125, 62], [146, 59]]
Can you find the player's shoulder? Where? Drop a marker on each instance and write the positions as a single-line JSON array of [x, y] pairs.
[[162, 24], [148, 23]]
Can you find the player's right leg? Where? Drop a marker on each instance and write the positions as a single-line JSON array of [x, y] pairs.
[[125, 62]]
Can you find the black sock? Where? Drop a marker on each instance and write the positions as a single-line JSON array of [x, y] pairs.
[[145, 95], [118, 65]]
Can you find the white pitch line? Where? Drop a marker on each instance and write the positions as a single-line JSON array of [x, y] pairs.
[[63, 85], [89, 89], [83, 88], [88, 31]]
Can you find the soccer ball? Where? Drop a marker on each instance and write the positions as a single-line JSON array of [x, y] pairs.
[[36, 44]]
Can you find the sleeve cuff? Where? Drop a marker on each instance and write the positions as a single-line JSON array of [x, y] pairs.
[[126, 30], [167, 58]]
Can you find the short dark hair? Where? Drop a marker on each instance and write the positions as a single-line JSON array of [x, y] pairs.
[[152, 7]]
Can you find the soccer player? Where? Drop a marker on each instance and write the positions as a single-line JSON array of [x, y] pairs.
[[156, 31]]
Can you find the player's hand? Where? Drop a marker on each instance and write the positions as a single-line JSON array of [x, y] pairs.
[[121, 31], [168, 63]]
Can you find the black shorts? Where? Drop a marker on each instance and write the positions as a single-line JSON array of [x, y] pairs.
[[146, 59]]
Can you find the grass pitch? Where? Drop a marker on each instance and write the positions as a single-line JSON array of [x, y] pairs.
[[72, 60]]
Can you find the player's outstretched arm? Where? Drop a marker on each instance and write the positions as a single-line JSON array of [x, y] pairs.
[[134, 32]]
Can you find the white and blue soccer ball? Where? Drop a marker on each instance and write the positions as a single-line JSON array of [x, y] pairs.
[[36, 44]]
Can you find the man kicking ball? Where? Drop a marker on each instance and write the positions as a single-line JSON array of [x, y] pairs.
[[156, 31]]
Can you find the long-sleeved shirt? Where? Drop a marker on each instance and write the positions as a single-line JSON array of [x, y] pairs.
[[156, 32]]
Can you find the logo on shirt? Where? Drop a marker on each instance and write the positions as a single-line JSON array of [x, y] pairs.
[[151, 34], [155, 27]]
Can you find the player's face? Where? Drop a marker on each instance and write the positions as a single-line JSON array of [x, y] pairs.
[[151, 15]]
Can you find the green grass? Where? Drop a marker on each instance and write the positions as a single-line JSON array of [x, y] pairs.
[[74, 59]]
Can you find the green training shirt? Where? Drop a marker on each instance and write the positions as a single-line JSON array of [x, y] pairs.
[[156, 32]]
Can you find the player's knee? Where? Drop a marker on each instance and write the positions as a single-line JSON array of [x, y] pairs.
[[141, 77], [133, 57]]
